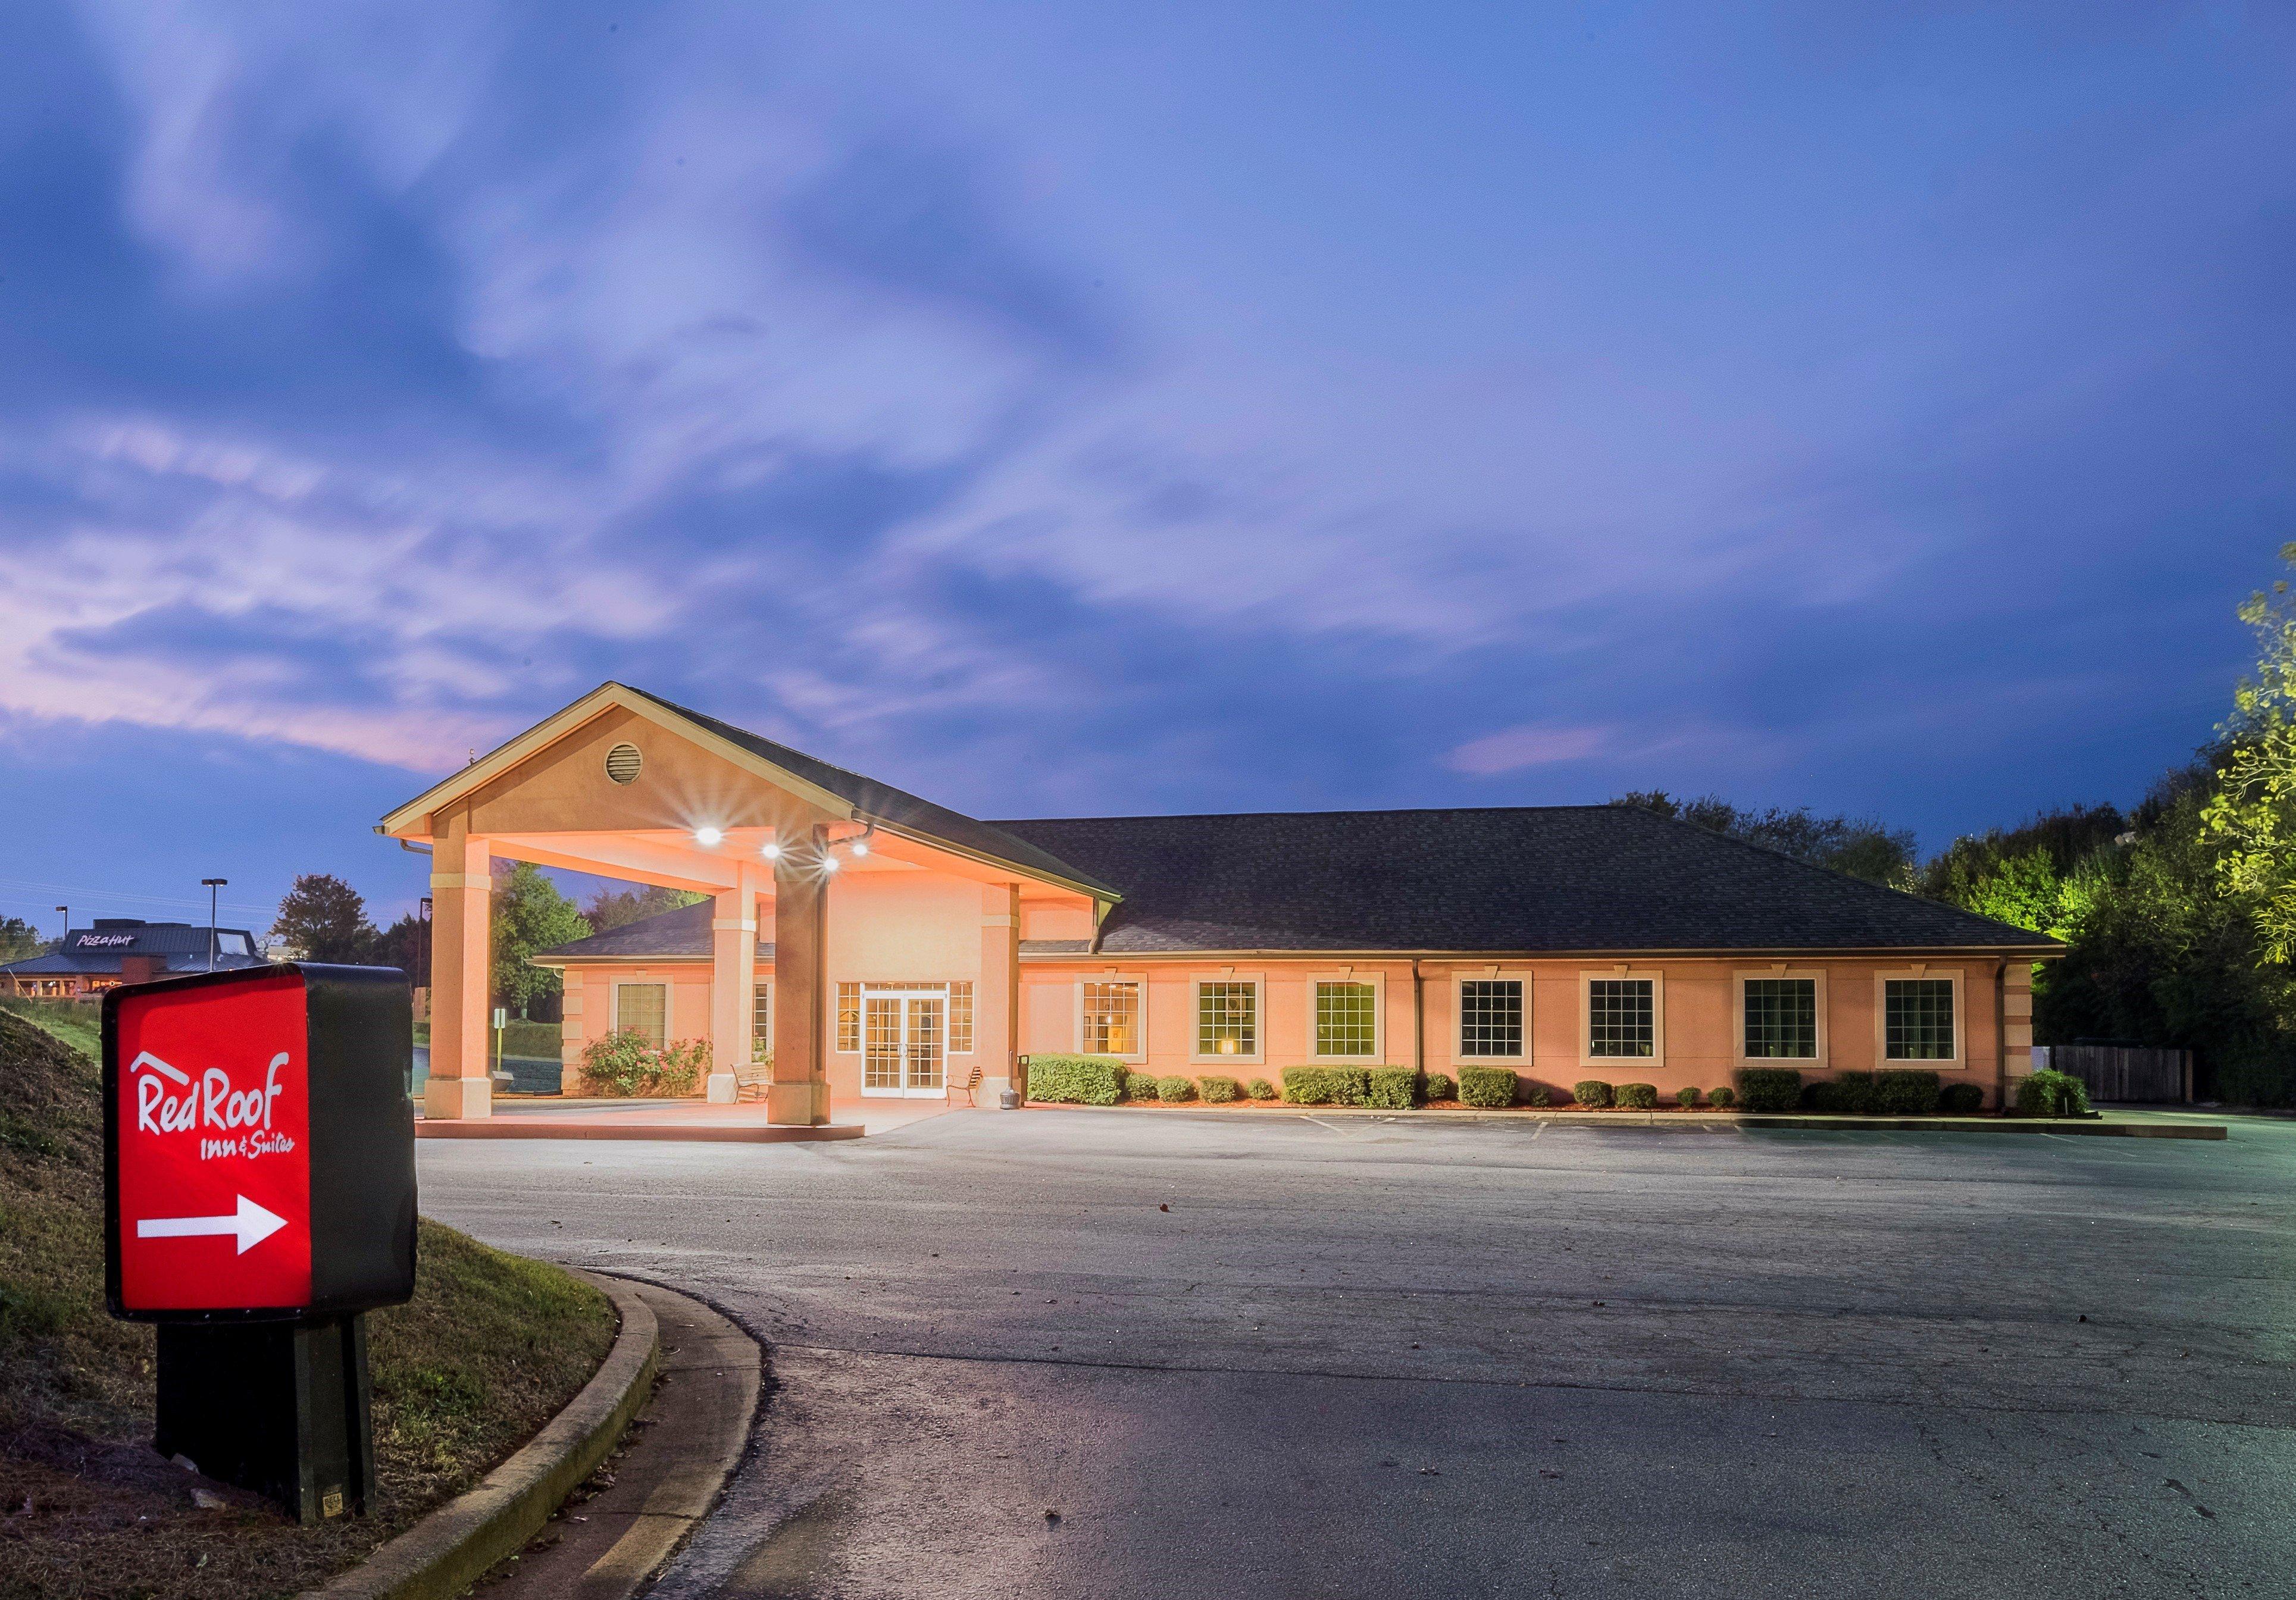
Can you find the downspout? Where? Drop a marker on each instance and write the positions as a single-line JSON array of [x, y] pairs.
[[1418, 1020]]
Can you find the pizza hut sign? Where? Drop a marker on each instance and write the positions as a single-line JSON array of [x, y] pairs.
[[89, 942], [260, 1144]]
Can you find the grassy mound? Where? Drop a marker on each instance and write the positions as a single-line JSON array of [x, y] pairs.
[[489, 1349]]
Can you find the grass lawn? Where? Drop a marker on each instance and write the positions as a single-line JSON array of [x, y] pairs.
[[537, 1041], [491, 1347]]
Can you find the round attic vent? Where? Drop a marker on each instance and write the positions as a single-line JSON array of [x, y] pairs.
[[622, 763]]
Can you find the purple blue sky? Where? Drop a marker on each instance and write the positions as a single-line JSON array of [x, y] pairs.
[[1076, 409]]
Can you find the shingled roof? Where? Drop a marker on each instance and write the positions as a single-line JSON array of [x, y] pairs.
[[1519, 880], [1542, 880]]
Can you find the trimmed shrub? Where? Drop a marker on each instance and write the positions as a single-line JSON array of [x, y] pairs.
[[1906, 1092], [1854, 1094], [1391, 1087], [1139, 1085], [1961, 1100], [1440, 1086], [1326, 1086], [1723, 1099], [1769, 1088], [1172, 1091], [1076, 1079], [1636, 1096], [1259, 1089], [1219, 1091], [626, 1063], [2050, 1094], [1592, 1093], [1487, 1086], [1687, 1099]]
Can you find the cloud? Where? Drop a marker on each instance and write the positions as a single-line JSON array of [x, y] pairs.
[[1510, 749]]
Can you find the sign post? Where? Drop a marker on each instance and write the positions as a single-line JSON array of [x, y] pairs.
[[259, 1199]]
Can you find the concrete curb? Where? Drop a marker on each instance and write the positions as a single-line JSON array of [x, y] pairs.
[[2103, 1127], [447, 1551]]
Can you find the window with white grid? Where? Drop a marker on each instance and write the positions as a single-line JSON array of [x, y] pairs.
[[848, 1018], [960, 1018], [1346, 1020], [1111, 1017], [1621, 1017], [642, 1009], [1227, 1019], [1917, 1019], [1781, 1019], [1490, 1016], [761, 1022]]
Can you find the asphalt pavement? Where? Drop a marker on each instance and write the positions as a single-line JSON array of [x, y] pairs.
[[1119, 1354]]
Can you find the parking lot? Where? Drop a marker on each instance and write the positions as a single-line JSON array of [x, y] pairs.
[[1155, 1354]]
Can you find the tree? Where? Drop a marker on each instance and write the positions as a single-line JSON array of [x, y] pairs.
[[2252, 815], [324, 918], [1861, 847], [405, 944], [2044, 875], [618, 907], [529, 914], [19, 939]]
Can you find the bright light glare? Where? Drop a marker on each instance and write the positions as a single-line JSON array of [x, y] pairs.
[[860, 847], [708, 836], [829, 864], [772, 852]]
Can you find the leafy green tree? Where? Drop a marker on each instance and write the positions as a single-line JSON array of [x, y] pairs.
[[322, 918], [1861, 847], [529, 914], [2044, 875], [618, 908], [2252, 815], [20, 940], [405, 944]]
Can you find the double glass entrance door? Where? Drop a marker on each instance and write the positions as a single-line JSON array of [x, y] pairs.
[[905, 1045]]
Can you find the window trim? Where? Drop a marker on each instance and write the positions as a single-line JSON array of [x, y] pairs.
[[669, 1002], [765, 986], [1496, 974], [1258, 983], [1374, 981], [1139, 981], [1656, 1059], [1882, 1060], [837, 1045], [1822, 1061]]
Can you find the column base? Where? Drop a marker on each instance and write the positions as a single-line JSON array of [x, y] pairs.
[[722, 1089], [453, 1099], [796, 1104]]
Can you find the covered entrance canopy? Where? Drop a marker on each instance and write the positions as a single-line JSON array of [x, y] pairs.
[[817, 877]]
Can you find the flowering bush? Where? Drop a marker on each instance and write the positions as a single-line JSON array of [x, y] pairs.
[[627, 1065]]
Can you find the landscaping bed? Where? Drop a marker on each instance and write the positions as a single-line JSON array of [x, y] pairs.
[[490, 1350]]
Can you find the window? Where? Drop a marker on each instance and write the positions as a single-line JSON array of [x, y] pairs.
[[1227, 1019], [642, 1009], [1110, 1024], [848, 1018], [1621, 1018], [960, 1018], [1346, 1020], [1490, 1016], [762, 1024], [1781, 1019], [1917, 1019]]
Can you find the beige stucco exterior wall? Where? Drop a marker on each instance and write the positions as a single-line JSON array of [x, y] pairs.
[[1699, 1028]]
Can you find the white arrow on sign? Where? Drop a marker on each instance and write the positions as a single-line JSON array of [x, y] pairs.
[[251, 1223]]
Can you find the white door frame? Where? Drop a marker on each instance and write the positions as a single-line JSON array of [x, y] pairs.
[[908, 1003]]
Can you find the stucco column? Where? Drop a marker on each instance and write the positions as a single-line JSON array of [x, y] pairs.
[[462, 883], [996, 998], [799, 1093], [2016, 1024], [732, 985]]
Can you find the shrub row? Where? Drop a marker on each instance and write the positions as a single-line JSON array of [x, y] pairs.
[[1897, 1092], [2050, 1094]]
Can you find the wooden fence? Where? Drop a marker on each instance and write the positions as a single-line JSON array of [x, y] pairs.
[[2123, 1072]]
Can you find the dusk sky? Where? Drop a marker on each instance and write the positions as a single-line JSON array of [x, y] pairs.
[[1091, 408]]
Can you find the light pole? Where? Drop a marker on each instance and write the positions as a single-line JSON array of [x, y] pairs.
[[212, 885], [67, 932]]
